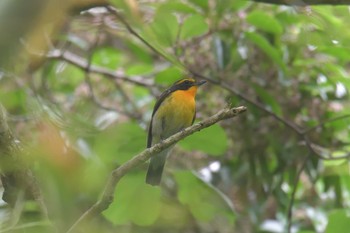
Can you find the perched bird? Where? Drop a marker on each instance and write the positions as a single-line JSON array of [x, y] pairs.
[[174, 111]]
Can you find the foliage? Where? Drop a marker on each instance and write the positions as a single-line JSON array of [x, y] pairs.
[[83, 109]]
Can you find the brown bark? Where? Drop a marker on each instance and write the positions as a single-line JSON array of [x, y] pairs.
[[16, 177]]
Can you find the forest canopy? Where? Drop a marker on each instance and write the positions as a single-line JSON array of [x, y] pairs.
[[78, 83]]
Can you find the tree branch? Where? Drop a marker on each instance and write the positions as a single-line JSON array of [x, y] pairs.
[[118, 173], [296, 128], [294, 191], [16, 177], [84, 65]]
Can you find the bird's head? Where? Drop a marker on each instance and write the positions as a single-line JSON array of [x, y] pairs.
[[187, 84]]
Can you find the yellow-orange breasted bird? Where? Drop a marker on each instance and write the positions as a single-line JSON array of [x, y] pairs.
[[174, 110]]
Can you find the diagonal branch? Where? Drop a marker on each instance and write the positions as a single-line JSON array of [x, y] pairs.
[[115, 176], [296, 128], [84, 65], [302, 133], [294, 191], [291, 125]]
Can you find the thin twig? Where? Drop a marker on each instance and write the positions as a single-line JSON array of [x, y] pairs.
[[300, 132], [18, 181], [134, 33], [292, 198], [88, 72], [118, 173], [326, 122], [296, 128], [83, 64]]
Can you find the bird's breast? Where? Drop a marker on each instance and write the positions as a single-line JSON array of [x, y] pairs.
[[174, 114]]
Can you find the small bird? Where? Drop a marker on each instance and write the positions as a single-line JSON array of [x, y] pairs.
[[174, 110]]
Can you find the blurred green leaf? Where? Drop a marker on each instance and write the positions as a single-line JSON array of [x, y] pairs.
[[67, 78], [240, 4], [15, 99], [203, 4], [168, 76], [107, 57], [265, 22], [139, 52], [267, 48], [337, 162], [212, 140], [342, 53], [165, 27], [139, 69], [134, 202], [203, 201], [338, 221], [268, 100], [194, 25], [120, 143], [177, 6]]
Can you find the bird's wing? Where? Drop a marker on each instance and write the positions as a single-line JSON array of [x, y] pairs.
[[160, 100], [149, 138], [194, 116]]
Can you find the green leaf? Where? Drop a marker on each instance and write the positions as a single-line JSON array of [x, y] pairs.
[[139, 69], [194, 25], [139, 52], [107, 57], [120, 143], [203, 4], [134, 202], [15, 99], [168, 76], [239, 4], [165, 26], [177, 6], [66, 78], [212, 140], [267, 48], [338, 221], [204, 202], [268, 100], [265, 22], [342, 53]]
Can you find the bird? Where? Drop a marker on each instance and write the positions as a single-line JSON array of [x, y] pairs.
[[174, 110]]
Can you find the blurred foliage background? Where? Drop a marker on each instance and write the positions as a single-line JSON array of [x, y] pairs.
[[79, 82]]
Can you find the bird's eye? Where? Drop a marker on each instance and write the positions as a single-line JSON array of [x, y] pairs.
[[188, 82]]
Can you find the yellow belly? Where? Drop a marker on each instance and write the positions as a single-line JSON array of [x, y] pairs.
[[174, 114]]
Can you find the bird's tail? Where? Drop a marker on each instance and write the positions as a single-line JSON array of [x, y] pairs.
[[155, 168]]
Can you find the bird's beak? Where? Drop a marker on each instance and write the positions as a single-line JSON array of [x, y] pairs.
[[199, 83]]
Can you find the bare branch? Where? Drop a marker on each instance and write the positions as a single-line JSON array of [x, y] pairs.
[[296, 128], [83, 64], [134, 33], [88, 71], [292, 198], [19, 180], [118, 173], [319, 125]]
